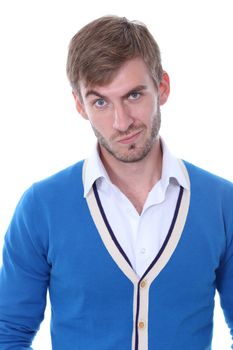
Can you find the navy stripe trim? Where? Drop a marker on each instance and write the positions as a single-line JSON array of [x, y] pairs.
[[108, 225], [137, 315], [168, 235], [155, 260]]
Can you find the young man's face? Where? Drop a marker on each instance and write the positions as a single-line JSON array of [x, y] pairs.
[[125, 114]]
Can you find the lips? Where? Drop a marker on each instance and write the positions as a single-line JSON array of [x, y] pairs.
[[129, 138]]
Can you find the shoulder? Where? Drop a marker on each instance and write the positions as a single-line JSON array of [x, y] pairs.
[[211, 189], [211, 195], [67, 177], [205, 178], [58, 187], [64, 176]]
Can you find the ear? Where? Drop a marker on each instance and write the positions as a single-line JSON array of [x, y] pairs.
[[164, 88], [79, 105]]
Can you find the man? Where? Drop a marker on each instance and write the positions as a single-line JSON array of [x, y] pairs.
[[131, 243]]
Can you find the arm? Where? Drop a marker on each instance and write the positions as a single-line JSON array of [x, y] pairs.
[[24, 277], [225, 287], [225, 271]]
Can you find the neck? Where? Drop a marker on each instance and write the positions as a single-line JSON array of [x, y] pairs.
[[135, 179]]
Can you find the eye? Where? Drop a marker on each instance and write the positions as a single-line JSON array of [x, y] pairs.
[[134, 95], [100, 103]]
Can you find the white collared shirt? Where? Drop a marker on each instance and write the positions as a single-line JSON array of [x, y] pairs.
[[140, 236]]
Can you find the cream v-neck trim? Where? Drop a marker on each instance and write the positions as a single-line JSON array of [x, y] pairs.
[[112, 246]]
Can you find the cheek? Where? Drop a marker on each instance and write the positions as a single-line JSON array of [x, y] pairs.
[[149, 105], [97, 118], [145, 112], [103, 126]]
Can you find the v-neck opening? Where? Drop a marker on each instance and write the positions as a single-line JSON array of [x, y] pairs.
[[116, 242], [167, 236]]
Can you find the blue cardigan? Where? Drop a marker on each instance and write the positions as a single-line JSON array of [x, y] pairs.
[[61, 242]]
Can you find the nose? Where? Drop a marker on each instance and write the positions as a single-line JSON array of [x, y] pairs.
[[122, 118]]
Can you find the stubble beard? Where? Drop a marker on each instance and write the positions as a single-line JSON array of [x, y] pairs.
[[133, 153]]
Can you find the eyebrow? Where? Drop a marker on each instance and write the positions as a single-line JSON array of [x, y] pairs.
[[96, 93]]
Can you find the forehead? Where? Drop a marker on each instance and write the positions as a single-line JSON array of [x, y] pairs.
[[131, 74]]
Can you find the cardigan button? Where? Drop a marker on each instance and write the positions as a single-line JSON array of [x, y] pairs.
[[141, 325], [143, 284]]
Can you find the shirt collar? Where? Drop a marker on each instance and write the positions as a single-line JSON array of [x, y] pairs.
[[171, 170], [94, 170]]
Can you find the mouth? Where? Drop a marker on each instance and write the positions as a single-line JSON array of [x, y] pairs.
[[129, 138]]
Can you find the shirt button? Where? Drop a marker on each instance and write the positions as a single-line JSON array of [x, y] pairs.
[[141, 325], [129, 210], [143, 284], [142, 251]]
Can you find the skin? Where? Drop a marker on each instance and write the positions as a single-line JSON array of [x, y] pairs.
[[125, 117]]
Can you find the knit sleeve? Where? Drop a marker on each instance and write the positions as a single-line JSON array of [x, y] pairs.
[[24, 276], [225, 271]]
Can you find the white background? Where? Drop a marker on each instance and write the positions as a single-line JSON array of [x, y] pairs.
[[40, 131]]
